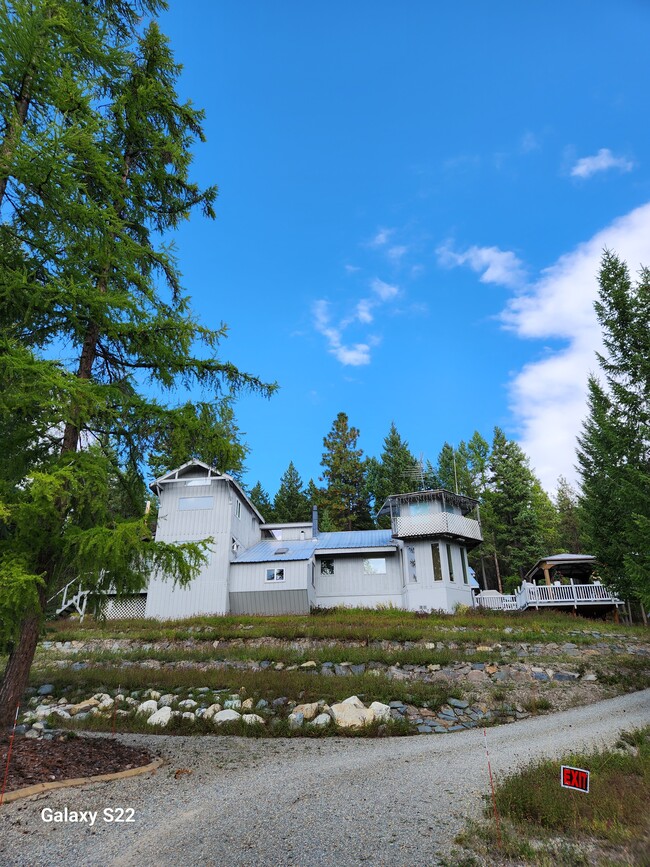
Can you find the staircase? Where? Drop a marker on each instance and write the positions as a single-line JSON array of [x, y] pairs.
[[73, 598]]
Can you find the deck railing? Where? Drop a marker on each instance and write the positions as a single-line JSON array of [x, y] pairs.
[[533, 596], [436, 523]]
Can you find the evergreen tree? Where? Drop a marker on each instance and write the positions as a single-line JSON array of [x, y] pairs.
[[346, 498], [614, 447], [569, 531], [395, 472], [454, 469], [512, 510], [260, 498], [291, 504], [91, 179]]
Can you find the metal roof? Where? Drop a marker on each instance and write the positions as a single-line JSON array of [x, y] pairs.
[[266, 551], [577, 564], [355, 539]]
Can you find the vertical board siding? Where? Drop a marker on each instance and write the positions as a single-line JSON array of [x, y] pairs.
[[350, 581], [251, 577], [279, 602]]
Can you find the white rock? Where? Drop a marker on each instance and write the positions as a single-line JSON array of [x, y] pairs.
[[188, 704], [103, 697], [210, 712], [309, 711], [189, 715], [160, 717], [296, 720], [166, 700], [354, 700], [253, 719], [151, 693], [322, 720], [147, 707], [232, 703], [44, 710], [248, 704], [349, 716], [381, 711], [224, 716], [59, 711], [309, 664], [131, 702]]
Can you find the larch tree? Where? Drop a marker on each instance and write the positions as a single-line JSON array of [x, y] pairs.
[[96, 334], [291, 503], [614, 447], [346, 498]]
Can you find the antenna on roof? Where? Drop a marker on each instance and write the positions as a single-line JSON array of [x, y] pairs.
[[417, 473]]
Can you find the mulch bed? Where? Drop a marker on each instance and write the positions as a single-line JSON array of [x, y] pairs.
[[64, 758]]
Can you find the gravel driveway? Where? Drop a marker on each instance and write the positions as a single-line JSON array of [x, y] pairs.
[[394, 801]]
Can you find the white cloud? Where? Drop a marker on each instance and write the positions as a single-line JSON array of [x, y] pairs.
[[600, 162], [529, 142], [355, 355], [352, 269], [548, 397], [494, 265], [396, 252], [364, 310], [382, 237], [384, 290]]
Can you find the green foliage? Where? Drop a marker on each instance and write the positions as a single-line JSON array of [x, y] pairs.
[[95, 158], [291, 503], [614, 447], [395, 472], [569, 528], [346, 498], [261, 500]]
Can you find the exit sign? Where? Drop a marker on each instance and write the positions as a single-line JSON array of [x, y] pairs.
[[574, 778]]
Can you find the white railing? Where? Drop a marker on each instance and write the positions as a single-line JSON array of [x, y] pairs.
[[436, 523], [562, 594], [72, 596], [497, 602]]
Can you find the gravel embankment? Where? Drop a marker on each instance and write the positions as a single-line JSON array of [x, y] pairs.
[[299, 802]]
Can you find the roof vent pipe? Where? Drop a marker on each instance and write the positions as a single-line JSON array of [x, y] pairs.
[[314, 521]]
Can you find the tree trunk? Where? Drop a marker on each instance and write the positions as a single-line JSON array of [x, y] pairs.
[[16, 673], [498, 571]]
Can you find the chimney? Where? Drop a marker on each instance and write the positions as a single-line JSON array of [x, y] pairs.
[[314, 521]]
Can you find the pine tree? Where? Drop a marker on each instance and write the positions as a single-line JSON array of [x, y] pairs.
[[614, 447], [91, 179], [511, 508], [346, 498], [260, 498], [291, 504], [569, 529], [395, 472]]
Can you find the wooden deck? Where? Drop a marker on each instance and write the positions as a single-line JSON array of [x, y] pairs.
[[553, 596]]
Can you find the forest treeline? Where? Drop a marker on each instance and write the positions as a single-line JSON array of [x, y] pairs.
[[520, 522]]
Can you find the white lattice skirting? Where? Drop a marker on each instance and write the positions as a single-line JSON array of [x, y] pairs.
[[127, 606]]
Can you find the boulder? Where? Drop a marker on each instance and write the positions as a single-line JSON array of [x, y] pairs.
[[310, 664], [247, 705], [84, 706], [353, 700], [46, 689], [380, 711], [309, 711], [160, 717], [150, 693], [231, 703], [350, 716], [166, 700], [188, 704], [321, 721], [189, 715], [224, 716], [253, 719], [212, 710], [147, 707], [296, 720]]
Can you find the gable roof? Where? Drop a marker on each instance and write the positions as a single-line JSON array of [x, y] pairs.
[[211, 473], [276, 550]]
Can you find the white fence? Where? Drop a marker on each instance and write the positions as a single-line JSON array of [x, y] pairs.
[[436, 523], [535, 596]]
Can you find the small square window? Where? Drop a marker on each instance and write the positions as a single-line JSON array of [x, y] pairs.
[[275, 574], [327, 567]]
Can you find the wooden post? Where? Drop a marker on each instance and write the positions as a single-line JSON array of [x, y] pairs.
[[498, 571], [547, 574]]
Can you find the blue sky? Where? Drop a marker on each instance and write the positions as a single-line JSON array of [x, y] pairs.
[[413, 203]]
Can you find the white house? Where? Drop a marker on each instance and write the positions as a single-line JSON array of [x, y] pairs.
[[258, 568]]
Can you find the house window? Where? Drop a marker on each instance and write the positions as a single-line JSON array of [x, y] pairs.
[[463, 563], [191, 504], [410, 556], [237, 509], [437, 566], [374, 566], [275, 574], [450, 563], [327, 567]]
